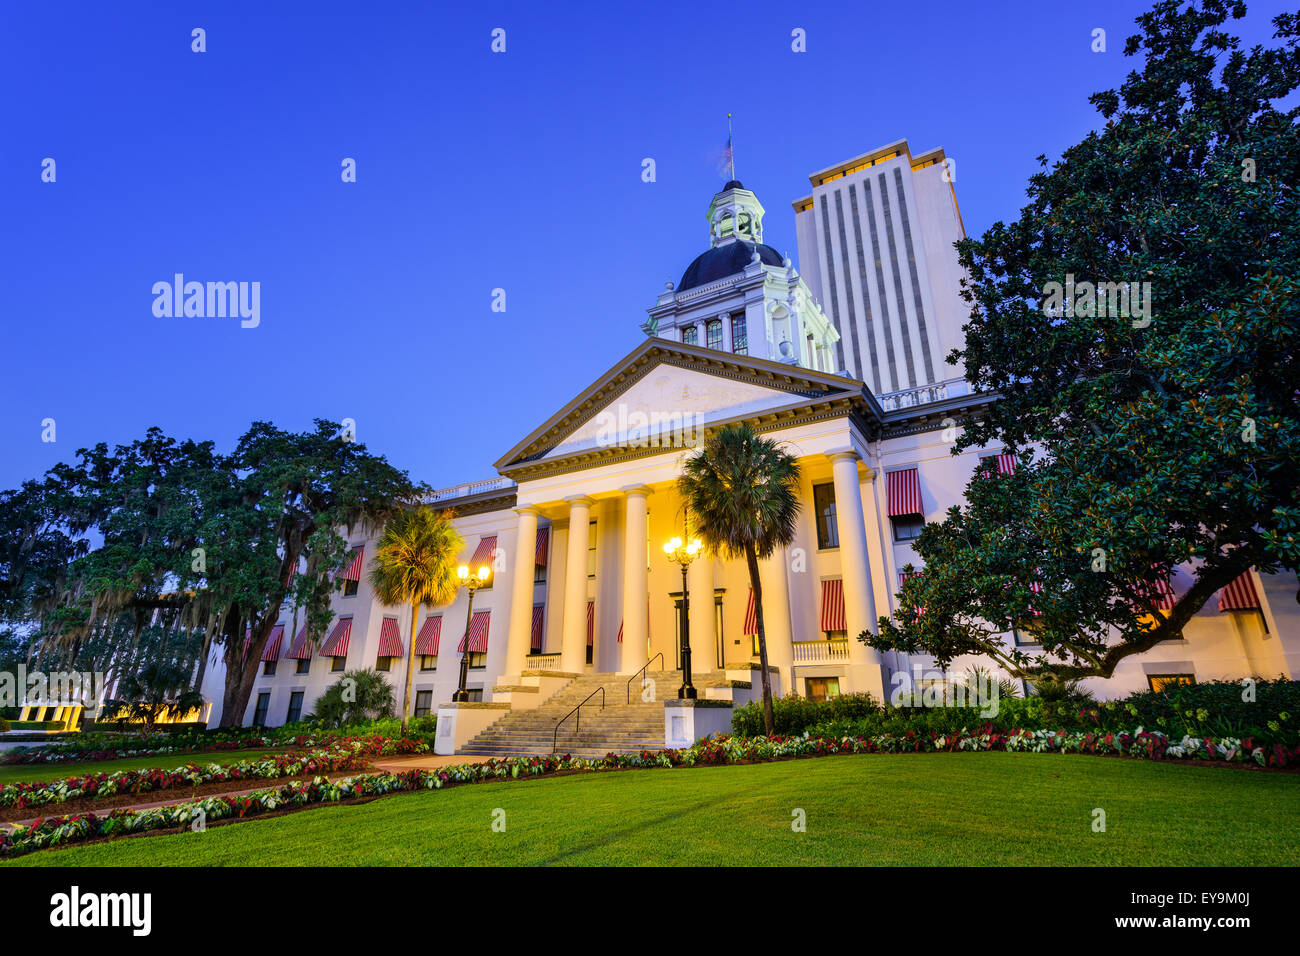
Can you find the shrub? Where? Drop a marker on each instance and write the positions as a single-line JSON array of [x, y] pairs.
[[4, 725], [358, 696], [794, 715]]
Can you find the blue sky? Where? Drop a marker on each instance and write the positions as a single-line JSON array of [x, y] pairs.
[[475, 171]]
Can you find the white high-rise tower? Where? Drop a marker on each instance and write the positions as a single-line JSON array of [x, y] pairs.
[[875, 244]]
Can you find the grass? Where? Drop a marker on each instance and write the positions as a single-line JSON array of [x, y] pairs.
[[916, 809], [15, 773]]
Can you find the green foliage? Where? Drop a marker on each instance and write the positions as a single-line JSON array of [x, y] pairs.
[[1213, 709], [4, 725], [356, 698], [742, 490], [1170, 434], [415, 564], [793, 715]]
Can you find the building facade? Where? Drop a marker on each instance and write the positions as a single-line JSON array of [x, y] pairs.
[[572, 525]]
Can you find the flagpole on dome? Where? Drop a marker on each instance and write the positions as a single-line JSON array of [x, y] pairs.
[[731, 149]]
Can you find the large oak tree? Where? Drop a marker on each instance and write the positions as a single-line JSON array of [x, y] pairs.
[[1149, 438]]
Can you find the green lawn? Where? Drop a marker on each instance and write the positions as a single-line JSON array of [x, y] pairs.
[[60, 771], [942, 809]]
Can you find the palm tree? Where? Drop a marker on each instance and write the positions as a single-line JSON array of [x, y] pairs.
[[741, 488], [415, 563]]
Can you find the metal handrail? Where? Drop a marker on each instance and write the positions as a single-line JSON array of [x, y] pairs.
[[577, 723], [641, 673]]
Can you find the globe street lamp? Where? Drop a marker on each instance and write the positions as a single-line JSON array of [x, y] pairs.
[[473, 582], [684, 553]]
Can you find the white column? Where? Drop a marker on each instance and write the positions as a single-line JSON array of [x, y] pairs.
[[573, 647], [699, 581], [773, 576], [521, 591], [635, 581], [859, 599], [556, 579]]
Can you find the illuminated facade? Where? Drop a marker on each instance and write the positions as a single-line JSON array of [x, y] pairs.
[[574, 520]]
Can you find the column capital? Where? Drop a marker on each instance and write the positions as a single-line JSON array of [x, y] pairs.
[[527, 510], [839, 454], [581, 501], [642, 490]]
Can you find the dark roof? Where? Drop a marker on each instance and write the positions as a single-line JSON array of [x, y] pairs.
[[734, 184], [726, 260]]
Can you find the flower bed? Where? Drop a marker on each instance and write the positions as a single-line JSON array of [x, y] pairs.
[[59, 831], [141, 748], [347, 753]]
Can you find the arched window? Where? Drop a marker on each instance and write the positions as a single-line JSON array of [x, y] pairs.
[[689, 335], [713, 333]]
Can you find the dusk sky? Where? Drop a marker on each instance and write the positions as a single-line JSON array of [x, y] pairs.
[[475, 171]]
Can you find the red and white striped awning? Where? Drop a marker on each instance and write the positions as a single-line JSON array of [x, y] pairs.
[[905, 493], [1239, 595], [337, 643], [833, 606], [751, 616], [1160, 590], [353, 571], [591, 623], [273, 644], [390, 639], [483, 553], [539, 615], [426, 642], [479, 625], [543, 546], [620, 631], [301, 650], [1004, 464]]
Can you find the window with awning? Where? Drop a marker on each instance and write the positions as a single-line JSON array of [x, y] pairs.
[[833, 606], [301, 649], [390, 639], [1004, 464], [543, 546], [426, 642], [591, 623], [1239, 595], [751, 616], [905, 494], [336, 645], [479, 625], [483, 554], [273, 644], [539, 617]]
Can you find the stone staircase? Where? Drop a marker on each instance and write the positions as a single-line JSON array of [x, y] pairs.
[[621, 727]]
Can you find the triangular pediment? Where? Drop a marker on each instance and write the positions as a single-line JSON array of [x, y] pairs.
[[669, 390]]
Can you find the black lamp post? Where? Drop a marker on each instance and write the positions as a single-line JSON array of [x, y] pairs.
[[473, 582], [684, 553]]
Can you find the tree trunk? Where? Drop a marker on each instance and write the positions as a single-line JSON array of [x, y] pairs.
[[769, 723], [410, 659], [239, 676]]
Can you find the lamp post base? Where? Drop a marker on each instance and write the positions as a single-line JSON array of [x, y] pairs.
[[460, 697], [686, 692]]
